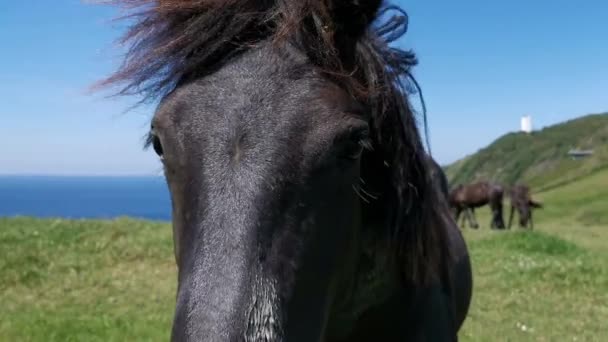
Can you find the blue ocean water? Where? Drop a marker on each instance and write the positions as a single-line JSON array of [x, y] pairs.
[[85, 197]]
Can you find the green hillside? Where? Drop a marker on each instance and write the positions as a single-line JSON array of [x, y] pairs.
[[539, 159], [584, 202]]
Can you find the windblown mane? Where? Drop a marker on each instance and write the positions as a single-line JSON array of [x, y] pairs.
[[172, 41]]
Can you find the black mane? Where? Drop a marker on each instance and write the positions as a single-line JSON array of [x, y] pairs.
[[175, 40]]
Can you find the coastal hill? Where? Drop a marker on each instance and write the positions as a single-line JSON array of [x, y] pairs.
[[541, 158]]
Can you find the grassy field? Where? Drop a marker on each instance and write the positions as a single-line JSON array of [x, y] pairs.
[[66, 280], [538, 286], [85, 280], [550, 284]]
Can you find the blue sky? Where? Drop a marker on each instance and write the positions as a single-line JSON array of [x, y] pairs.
[[483, 64]]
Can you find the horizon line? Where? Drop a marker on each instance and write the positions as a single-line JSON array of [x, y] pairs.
[[109, 175]]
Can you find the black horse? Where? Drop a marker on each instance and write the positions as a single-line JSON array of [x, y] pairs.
[[303, 204]]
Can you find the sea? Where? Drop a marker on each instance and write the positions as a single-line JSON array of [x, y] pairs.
[[85, 197]]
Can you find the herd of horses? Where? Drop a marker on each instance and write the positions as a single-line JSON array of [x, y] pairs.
[[464, 199]]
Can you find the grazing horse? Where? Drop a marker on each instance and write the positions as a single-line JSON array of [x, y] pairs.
[[465, 198], [522, 201], [459, 207], [303, 205]]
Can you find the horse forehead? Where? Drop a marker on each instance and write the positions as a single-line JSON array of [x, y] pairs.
[[249, 94], [300, 109], [260, 93]]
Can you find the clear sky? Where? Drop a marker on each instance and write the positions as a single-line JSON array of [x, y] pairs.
[[483, 64]]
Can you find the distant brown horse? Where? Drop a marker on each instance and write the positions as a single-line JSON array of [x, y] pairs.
[[523, 202], [459, 208], [465, 198]]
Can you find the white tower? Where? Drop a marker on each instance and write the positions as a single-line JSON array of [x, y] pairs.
[[526, 124]]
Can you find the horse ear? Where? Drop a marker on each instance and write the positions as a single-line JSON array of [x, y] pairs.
[[355, 16], [329, 30]]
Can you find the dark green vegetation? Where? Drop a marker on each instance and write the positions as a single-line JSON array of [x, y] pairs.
[[539, 159]]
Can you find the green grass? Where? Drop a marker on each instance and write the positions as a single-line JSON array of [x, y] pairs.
[[585, 201], [65, 280], [536, 286], [539, 159], [85, 280], [553, 280]]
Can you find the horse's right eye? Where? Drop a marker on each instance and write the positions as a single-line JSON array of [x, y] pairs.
[[154, 141], [157, 146]]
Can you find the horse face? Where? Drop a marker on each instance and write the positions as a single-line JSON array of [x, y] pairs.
[[261, 165]]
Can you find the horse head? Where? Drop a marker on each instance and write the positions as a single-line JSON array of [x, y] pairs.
[[288, 145]]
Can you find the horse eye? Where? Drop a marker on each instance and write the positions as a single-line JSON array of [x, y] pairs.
[[158, 148], [154, 141], [358, 142]]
